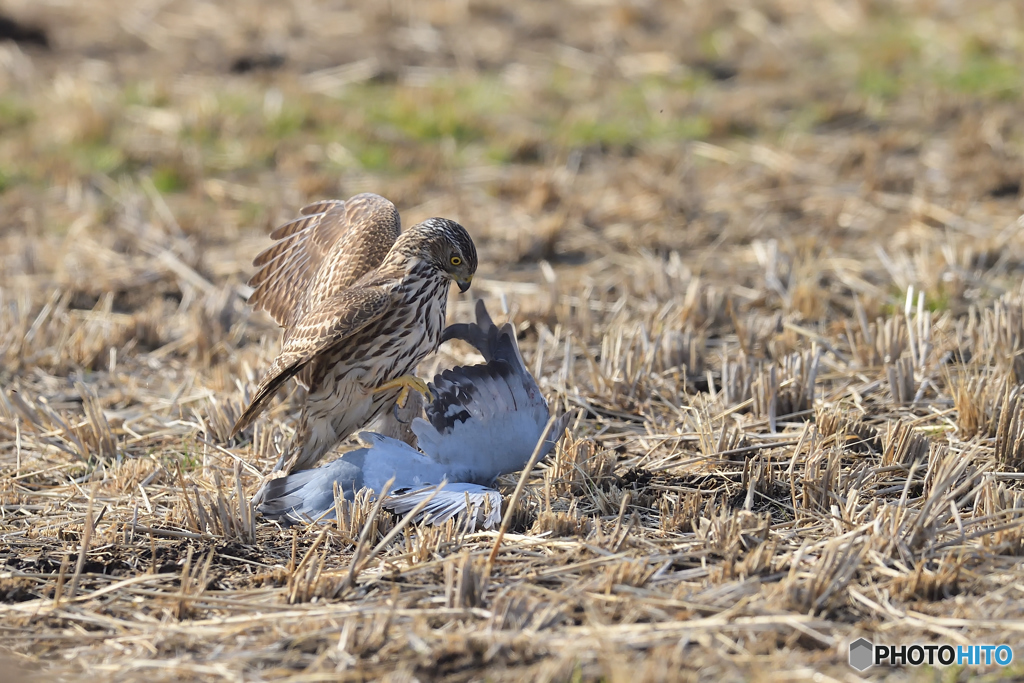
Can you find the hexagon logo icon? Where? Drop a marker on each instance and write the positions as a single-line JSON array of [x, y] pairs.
[[861, 654]]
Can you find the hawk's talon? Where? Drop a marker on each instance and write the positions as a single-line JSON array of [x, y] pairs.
[[394, 414], [406, 382], [403, 397]]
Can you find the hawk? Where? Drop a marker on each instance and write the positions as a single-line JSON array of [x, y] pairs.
[[484, 421], [361, 303]]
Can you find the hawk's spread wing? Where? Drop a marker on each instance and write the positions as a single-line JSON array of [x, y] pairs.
[[330, 323], [351, 237]]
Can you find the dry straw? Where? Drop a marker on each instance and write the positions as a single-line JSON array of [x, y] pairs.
[[795, 346]]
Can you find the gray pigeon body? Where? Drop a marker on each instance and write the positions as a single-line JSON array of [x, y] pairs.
[[484, 421]]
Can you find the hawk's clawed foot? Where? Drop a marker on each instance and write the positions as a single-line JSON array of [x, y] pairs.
[[407, 382]]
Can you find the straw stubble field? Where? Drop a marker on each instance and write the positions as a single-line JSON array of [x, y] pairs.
[[769, 251]]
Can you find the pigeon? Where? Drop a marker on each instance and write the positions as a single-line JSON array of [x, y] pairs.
[[483, 421]]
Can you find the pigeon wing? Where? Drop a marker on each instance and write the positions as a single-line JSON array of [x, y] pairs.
[[486, 418], [493, 342], [483, 504]]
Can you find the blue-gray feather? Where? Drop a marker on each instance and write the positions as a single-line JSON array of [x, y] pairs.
[[454, 499]]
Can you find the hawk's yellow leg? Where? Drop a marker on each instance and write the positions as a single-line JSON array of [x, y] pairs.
[[407, 382]]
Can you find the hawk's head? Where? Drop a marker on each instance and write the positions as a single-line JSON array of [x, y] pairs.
[[445, 245]]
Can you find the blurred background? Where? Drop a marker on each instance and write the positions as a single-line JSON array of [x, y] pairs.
[[584, 133], [702, 170]]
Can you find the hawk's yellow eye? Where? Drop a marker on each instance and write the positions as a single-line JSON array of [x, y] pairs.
[[456, 261]]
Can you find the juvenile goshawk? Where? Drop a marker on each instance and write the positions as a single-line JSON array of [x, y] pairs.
[[362, 303]]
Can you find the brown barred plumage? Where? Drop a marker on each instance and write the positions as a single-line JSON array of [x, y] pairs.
[[334, 244], [356, 315]]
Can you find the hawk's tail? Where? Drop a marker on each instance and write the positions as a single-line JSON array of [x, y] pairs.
[[268, 387]]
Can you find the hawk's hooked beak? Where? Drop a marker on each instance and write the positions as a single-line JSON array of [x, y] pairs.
[[464, 284]]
